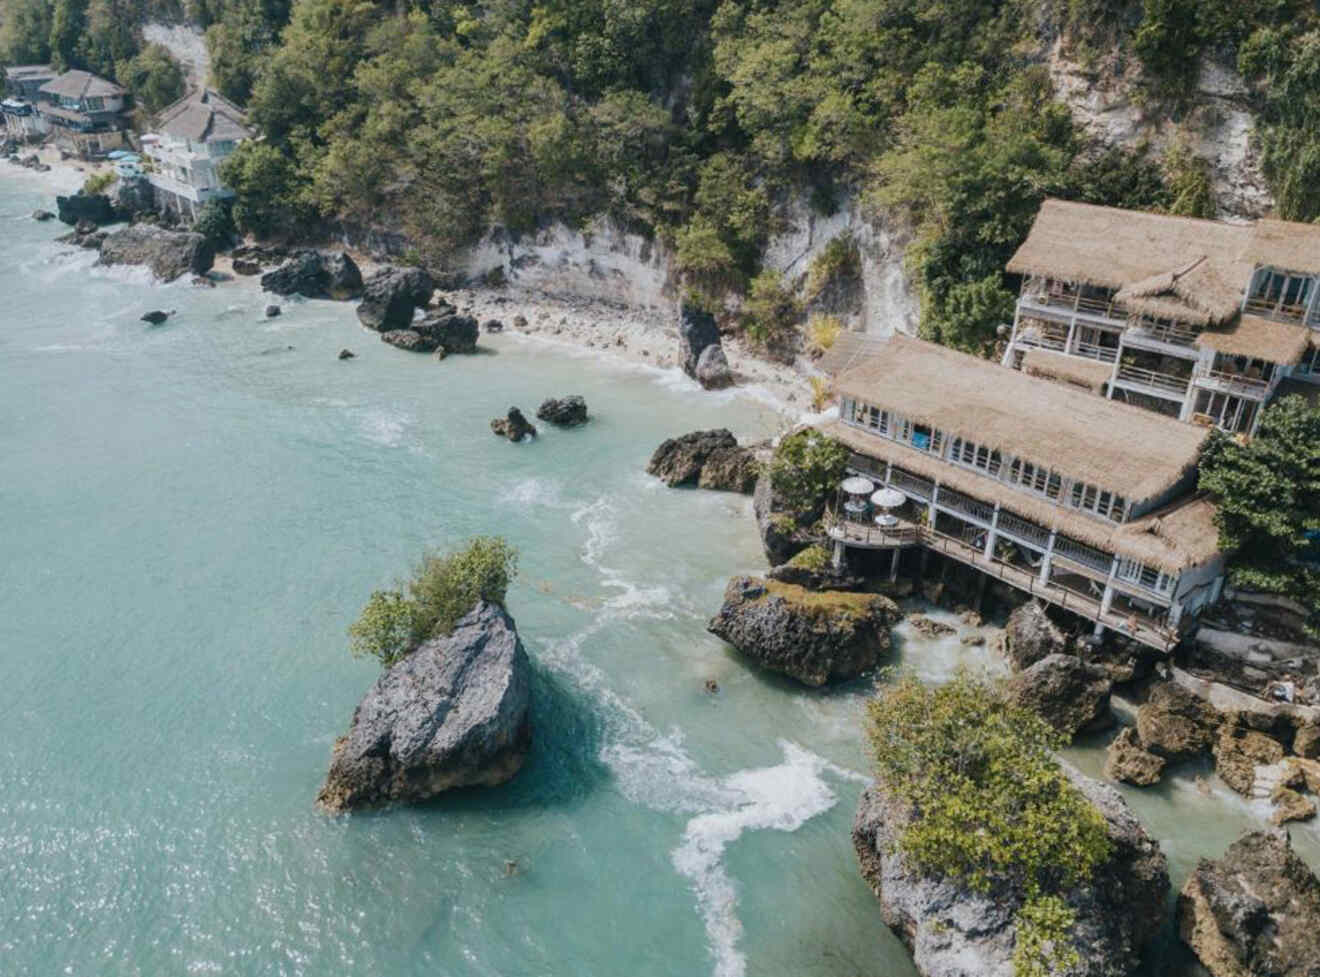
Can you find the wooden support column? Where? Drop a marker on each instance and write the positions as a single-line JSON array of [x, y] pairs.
[[1108, 598], [930, 507], [894, 554], [838, 554]]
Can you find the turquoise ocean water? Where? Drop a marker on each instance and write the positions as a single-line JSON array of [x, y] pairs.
[[191, 515]]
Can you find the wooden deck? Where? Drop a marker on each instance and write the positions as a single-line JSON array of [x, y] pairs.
[[906, 534]]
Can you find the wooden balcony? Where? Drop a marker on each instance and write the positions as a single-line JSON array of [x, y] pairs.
[[1278, 311], [1161, 384], [1237, 384]]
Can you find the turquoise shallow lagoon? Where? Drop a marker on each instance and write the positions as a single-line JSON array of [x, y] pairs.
[[191, 515]]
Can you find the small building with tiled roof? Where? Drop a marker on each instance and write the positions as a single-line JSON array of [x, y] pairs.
[[1201, 320], [187, 145]]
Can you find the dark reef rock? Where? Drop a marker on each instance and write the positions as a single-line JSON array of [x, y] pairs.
[[952, 930], [449, 331], [42, 215], [1253, 913], [134, 196], [392, 295], [493, 325], [1069, 694], [169, 254], [513, 426], [697, 332], [814, 637], [409, 340], [708, 459], [454, 713], [95, 208], [246, 267], [272, 311], [567, 411], [311, 274], [155, 317], [347, 354]]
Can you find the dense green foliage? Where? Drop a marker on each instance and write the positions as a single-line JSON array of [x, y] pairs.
[[154, 78], [698, 121], [990, 804], [215, 222], [443, 588], [806, 469], [1268, 497]]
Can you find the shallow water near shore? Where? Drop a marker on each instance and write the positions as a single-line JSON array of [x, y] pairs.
[[192, 514]]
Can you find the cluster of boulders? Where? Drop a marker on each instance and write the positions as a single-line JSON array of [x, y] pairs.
[[1271, 751], [570, 411], [700, 349], [812, 636], [29, 162], [706, 459], [513, 426], [169, 254], [453, 713]]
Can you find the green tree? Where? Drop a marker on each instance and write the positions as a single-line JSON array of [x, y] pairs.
[[154, 78], [25, 32], [111, 36], [990, 805], [443, 588], [68, 22], [805, 471], [215, 222], [771, 314], [268, 191], [1268, 496]]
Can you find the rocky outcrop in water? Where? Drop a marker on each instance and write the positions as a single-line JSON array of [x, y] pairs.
[[812, 636], [169, 254], [567, 411], [1128, 761], [311, 274], [1174, 723], [783, 533], [449, 331], [454, 713], [392, 295], [513, 426], [1253, 913], [953, 931], [698, 337], [708, 459], [1069, 694], [1030, 635], [409, 340], [134, 196], [156, 317], [42, 215], [94, 207]]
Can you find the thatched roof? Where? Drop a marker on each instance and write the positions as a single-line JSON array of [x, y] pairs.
[[1177, 267], [1171, 539], [1278, 342], [1115, 446], [848, 349], [204, 116], [1089, 374], [81, 84], [1286, 245]]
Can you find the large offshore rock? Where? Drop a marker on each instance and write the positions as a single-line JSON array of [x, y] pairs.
[[1253, 913], [454, 713], [409, 339], [314, 275], [513, 426], [169, 254], [812, 636], [391, 295], [709, 459], [567, 411], [1069, 694], [953, 931], [1175, 723], [712, 370], [1030, 636], [1239, 752], [451, 332], [94, 207]]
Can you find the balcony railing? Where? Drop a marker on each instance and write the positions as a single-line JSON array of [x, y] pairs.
[[1102, 354], [1267, 309], [912, 485], [1234, 383], [1087, 556], [966, 506], [1073, 300], [1024, 531], [1173, 334], [1153, 379]]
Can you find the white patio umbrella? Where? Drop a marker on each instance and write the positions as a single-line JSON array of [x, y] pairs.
[[888, 498], [857, 485]]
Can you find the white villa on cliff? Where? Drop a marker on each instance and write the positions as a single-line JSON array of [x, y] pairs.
[[190, 140], [1086, 503], [1200, 320]]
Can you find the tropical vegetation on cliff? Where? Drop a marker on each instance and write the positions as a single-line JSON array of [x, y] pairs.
[[990, 804], [696, 120], [1268, 497], [443, 587]]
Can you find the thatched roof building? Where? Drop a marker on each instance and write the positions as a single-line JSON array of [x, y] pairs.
[[204, 116], [1175, 267], [1135, 452], [1284, 244]]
